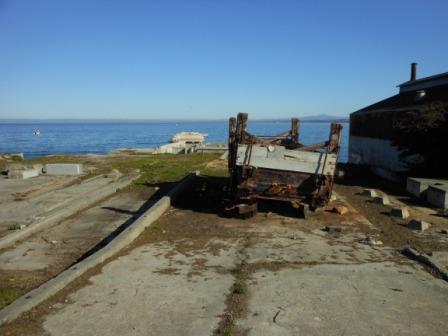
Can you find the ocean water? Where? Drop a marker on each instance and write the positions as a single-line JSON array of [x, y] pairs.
[[99, 138]]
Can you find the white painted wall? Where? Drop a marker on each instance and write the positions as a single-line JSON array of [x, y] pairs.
[[379, 154]]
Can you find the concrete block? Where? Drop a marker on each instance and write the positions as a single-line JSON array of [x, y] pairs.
[[23, 174], [63, 168], [415, 187], [417, 224], [38, 166], [13, 156], [339, 173], [418, 187], [437, 195], [369, 192], [384, 200], [400, 212], [224, 156], [24, 166], [15, 166], [340, 209]]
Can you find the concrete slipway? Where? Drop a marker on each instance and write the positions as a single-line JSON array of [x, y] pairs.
[[196, 273], [54, 204]]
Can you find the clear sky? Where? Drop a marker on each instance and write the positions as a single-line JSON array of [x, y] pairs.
[[211, 58]]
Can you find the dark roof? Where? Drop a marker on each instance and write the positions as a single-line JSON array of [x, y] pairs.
[[425, 79], [408, 101], [424, 83]]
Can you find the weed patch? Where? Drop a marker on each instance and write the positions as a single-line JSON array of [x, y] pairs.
[[8, 295]]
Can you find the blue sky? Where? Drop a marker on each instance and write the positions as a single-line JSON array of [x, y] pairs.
[[211, 58]]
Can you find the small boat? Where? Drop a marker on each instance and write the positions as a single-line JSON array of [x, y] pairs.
[[37, 132]]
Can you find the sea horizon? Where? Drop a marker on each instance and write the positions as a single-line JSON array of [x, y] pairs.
[[97, 137], [312, 118]]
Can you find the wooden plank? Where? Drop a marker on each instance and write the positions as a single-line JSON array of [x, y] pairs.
[[280, 158]]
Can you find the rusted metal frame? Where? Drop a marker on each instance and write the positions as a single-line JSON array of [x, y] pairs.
[[294, 130], [335, 138], [288, 198], [322, 194], [250, 153], [232, 141], [267, 139], [241, 124], [250, 138], [232, 151], [246, 178], [312, 148], [280, 190], [333, 147], [280, 136], [289, 186], [322, 179], [264, 141]]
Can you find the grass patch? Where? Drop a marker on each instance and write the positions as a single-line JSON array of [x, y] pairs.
[[442, 212], [155, 169], [239, 288], [13, 227], [8, 295], [236, 302], [3, 164], [165, 168]]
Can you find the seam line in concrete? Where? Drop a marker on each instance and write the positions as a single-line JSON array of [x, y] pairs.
[[51, 287], [59, 214]]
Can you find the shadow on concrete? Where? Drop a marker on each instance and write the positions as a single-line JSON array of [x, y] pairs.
[[361, 176], [162, 189], [122, 211], [208, 194]]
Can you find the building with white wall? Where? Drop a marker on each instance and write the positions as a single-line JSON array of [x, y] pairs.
[[390, 136]]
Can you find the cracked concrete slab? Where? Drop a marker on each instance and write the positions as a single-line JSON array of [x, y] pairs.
[[73, 236], [364, 299], [293, 279], [11, 189], [27, 256], [29, 210], [164, 292], [295, 246]]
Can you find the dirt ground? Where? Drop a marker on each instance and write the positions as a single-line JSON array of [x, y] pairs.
[[393, 230], [198, 272]]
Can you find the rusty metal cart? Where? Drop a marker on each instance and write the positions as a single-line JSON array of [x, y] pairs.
[[280, 167]]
